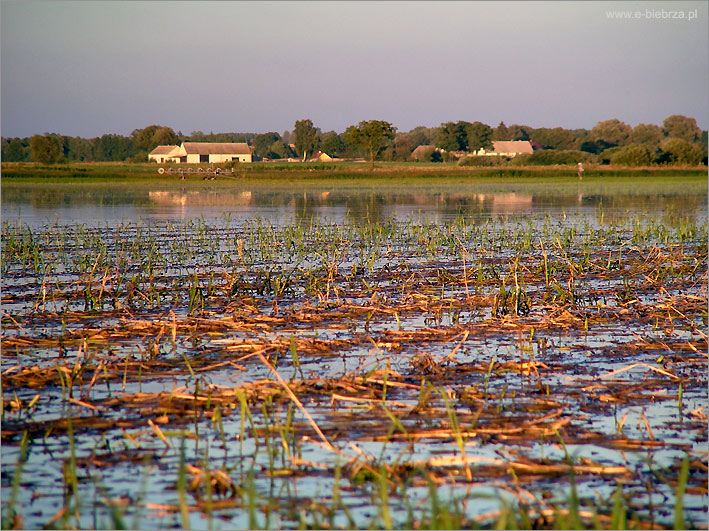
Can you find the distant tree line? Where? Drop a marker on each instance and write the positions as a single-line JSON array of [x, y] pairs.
[[54, 148], [678, 141]]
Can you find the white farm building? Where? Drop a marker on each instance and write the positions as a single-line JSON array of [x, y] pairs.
[[196, 152], [508, 148], [163, 154]]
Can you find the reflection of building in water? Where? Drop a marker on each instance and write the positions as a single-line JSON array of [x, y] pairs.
[[168, 198], [509, 202], [200, 198]]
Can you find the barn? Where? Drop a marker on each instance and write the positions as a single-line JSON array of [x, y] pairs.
[[196, 152]]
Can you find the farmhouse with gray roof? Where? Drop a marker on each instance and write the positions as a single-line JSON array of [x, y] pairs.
[[196, 152]]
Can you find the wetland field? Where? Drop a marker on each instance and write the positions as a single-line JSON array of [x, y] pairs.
[[428, 352]]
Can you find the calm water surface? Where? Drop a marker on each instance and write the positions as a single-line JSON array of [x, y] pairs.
[[97, 204]]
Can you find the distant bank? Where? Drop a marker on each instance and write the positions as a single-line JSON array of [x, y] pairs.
[[106, 171]]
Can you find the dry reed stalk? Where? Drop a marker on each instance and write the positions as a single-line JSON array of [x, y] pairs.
[[647, 426], [391, 383], [457, 346], [520, 467], [640, 364], [159, 433], [130, 438], [297, 461], [54, 519], [297, 402], [222, 364], [631, 444], [84, 404], [163, 510]]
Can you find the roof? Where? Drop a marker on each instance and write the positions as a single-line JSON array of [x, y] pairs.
[[321, 156], [163, 150], [512, 146], [216, 148], [424, 147]]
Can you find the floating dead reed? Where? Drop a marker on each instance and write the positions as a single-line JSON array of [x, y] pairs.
[[390, 374]]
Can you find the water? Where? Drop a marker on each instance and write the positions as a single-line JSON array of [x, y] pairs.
[[98, 205], [374, 282]]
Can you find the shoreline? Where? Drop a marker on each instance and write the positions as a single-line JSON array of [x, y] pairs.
[[121, 172]]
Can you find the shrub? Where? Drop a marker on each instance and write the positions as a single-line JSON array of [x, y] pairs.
[[605, 156], [482, 160], [550, 157], [678, 151], [632, 155], [229, 165], [430, 154]]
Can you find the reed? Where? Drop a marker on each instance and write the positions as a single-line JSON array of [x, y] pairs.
[[420, 340]]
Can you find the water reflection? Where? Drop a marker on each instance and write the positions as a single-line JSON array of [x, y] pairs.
[[509, 203], [39, 204], [196, 198]]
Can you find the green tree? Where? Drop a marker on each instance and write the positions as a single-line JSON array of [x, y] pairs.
[[632, 155], [280, 150], [583, 141], [80, 149], [164, 136], [371, 135], [610, 133], [679, 126], [406, 143], [331, 143], [150, 137], [262, 143], [678, 151], [197, 136], [453, 136], [14, 150], [479, 136], [403, 146], [554, 138], [45, 149], [581, 136], [113, 148], [501, 132], [519, 132], [649, 135], [143, 138], [305, 138], [421, 135]]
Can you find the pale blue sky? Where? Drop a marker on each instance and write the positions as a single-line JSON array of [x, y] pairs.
[[88, 68]]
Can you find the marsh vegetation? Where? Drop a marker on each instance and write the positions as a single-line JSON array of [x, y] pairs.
[[317, 360]]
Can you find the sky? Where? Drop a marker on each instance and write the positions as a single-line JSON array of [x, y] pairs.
[[89, 68]]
